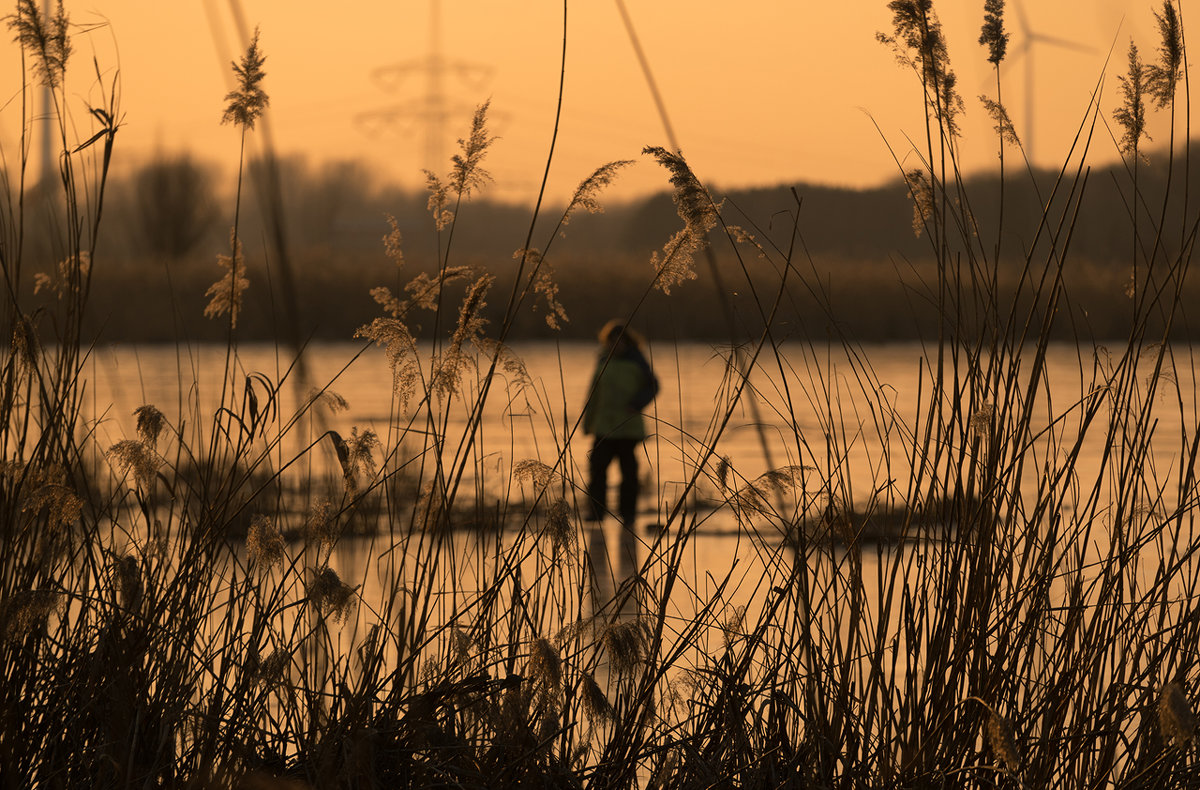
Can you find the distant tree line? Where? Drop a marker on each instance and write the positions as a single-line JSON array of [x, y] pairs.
[[859, 269]]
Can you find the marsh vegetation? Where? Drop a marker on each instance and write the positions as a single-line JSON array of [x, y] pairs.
[[170, 614]]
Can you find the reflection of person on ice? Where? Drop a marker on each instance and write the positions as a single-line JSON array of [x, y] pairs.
[[622, 386]]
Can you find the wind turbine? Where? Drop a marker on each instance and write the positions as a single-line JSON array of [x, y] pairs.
[[1029, 38]]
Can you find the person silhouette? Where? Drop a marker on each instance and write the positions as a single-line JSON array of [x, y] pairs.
[[622, 385]]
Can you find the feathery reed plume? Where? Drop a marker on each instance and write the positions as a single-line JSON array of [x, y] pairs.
[[558, 526], [439, 201], [545, 664], [980, 422], [321, 524], [468, 173], [150, 424], [248, 100], [1162, 77], [992, 34], [360, 456], [48, 490], [510, 362], [328, 399], [544, 284], [1175, 717], [400, 347], [731, 626], [448, 369], [1131, 115], [136, 457], [425, 292], [920, 45], [921, 191], [1003, 741], [225, 295], [264, 544], [28, 610], [723, 469], [127, 573], [595, 704], [26, 348], [392, 242], [1004, 126], [626, 642], [272, 670], [699, 214], [755, 495], [70, 273], [536, 472], [587, 194], [330, 595], [46, 37], [460, 644]]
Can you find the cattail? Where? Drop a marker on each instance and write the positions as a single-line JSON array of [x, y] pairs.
[[45, 37], [134, 456], [28, 610], [150, 424], [248, 100], [1003, 742], [1175, 717], [330, 595], [264, 544]]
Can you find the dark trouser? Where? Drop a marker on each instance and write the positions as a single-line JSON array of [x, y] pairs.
[[603, 452]]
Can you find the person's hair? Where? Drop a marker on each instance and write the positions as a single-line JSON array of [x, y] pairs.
[[616, 328]]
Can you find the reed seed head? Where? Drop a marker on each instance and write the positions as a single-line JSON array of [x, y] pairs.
[[45, 37], [28, 610], [226, 294], [626, 642], [321, 524], [329, 399], [536, 472], [133, 456], [992, 35], [921, 191], [1162, 77], [26, 348], [545, 665], [150, 424], [330, 595], [1003, 741], [66, 281], [248, 101], [558, 526], [1175, 717], [595, 705], [1003, 124], [1131, 115], [467, 173], [264, 544], [586, 197], [127, 573], [675, 265], [400, 347]]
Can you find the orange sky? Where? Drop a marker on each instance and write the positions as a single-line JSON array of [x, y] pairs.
[[758, 91]]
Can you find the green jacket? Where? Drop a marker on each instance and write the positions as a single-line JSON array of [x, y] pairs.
[[621, 387]]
